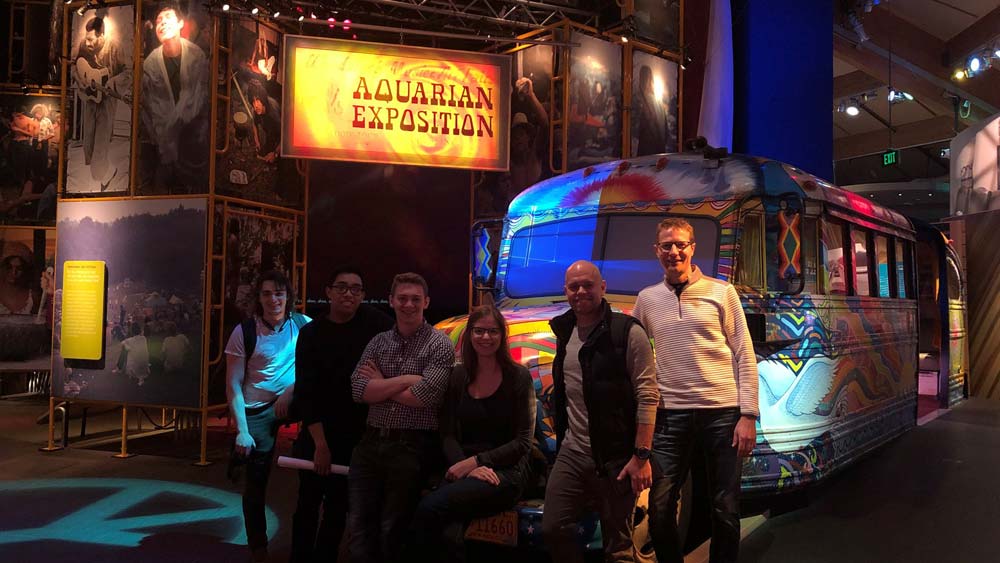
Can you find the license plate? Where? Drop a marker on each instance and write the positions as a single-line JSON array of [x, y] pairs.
[[499, 528]]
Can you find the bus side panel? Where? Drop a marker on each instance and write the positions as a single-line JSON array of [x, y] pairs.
[[845, 385]]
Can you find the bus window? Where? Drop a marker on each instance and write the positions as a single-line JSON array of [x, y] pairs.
[[628, 261], [882, 260], [832, 254], [809, 254], [900, 271], [859, 241], [750, 269]]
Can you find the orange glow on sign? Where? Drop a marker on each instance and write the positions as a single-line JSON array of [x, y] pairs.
[[371, 102]]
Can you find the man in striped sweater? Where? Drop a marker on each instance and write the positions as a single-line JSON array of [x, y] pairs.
[[707, 375]]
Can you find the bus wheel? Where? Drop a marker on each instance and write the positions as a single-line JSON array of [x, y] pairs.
[[641, 538]]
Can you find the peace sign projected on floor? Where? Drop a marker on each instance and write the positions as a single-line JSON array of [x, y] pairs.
[[120, 512]]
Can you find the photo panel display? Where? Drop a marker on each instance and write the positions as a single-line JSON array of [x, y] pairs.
[[30, 127], [26, 267], [175, 98], [154, 252], [658, 21], [388, 219], [251, 167], [98, 120], [595, 102], [654, 105], [531, 114]]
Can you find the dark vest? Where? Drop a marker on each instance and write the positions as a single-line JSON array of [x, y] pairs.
[[607, 388]]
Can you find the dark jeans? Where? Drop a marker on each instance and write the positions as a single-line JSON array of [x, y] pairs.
[[678, 432], [263, 428], [573, 489], [438, 530], [388, 469]]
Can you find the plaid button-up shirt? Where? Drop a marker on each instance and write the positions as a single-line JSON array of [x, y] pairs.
[[428, 353]]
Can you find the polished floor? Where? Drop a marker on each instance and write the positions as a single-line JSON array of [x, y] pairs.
[[931, 495]]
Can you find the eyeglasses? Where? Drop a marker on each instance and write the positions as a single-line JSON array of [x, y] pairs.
[[680, 244], [483, 331], [343, 288]]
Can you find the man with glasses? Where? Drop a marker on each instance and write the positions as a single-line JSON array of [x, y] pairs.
[[260, 383], [604, 401], [332, 423], [402, 376], [707, 374]]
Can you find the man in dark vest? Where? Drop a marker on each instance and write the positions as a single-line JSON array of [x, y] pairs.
[[604, 400]]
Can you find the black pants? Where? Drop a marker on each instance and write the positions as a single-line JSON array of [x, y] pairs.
[[438, 530], [322, 507], [677, 433], [263, 428], [388, 469]]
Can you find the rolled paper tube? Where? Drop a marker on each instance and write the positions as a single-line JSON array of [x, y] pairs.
[[296, 463]]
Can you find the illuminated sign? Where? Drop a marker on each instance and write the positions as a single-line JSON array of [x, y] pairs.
[[890, 157], [369, 102], [83, 293]]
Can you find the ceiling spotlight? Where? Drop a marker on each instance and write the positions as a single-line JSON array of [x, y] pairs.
[[225, 7], [975, 64], [276, 13], [624, 39], [852, 109], [996, 52], [69, 1], [301, 18], [959, 74], [255, 10], [347, 25], [896, 96]]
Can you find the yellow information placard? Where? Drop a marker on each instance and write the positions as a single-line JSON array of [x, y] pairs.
[[82, 319]]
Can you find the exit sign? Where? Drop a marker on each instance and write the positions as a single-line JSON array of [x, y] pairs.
[[890, 157]]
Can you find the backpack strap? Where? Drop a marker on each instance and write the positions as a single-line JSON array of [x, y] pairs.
[[249, 337]]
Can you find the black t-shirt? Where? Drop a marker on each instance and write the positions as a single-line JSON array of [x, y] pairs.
[[325, 357], [173, 65], [486, 423]]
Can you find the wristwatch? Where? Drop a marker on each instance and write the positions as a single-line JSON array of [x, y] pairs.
[[641, 453]]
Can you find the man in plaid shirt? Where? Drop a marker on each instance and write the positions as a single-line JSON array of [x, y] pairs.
[[402, 376]]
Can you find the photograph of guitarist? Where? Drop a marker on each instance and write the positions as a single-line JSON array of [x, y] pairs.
[[266, 121], [103, 76], [175, 108]]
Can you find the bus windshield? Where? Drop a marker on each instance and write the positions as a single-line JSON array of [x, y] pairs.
[[620, 245]]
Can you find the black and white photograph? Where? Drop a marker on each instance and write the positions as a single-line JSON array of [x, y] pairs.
[[26, 262], [99, 116], [654, 105], [175, 107], [250, 166], [154, 250], [529, 133], [595, 102], [30, 129]]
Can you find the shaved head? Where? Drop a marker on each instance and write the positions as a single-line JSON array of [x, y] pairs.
[[585, 291]]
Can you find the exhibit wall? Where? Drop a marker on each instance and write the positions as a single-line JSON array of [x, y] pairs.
[[26, 262], [153, 255]]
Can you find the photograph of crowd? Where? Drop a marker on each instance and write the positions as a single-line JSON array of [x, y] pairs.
[[595, 102], [529, 134], [30, 129], [175, 107], [654, 105], [154, 303], [99, 115], [26, 262], [250, 167]]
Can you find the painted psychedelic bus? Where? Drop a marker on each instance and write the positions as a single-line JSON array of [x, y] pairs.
[[827, 280]]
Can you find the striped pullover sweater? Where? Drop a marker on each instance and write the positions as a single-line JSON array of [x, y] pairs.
[[704, 354]]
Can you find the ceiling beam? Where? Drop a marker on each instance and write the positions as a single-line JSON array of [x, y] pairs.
[[974, 37], [854, 83], [907, 135], [920, 48]]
